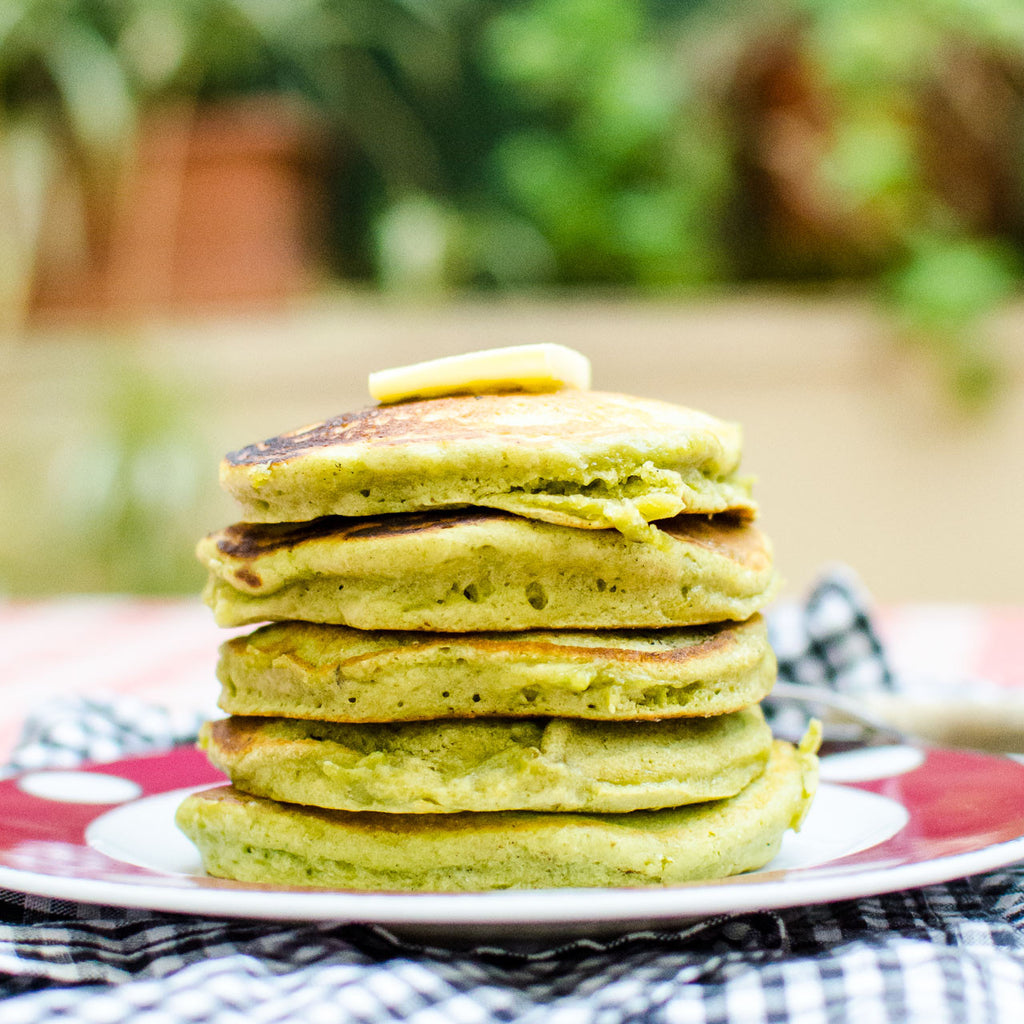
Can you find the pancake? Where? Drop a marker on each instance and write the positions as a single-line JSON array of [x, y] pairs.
[[463, 571], [586, 459], [256, 840], [334, 673], [491, 764]]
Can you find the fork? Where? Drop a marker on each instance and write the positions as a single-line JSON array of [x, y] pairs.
[[996, 725]]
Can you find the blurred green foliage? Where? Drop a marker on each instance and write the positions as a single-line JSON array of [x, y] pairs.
[[103, 487], [658, 146], [647, 145], [574, 152]]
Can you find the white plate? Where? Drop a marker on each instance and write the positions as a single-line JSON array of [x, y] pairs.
[[884, 819]]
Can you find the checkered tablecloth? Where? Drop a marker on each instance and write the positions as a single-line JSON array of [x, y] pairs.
[[943, 954]]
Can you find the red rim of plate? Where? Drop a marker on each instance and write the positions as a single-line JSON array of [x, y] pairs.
[[965, 815]]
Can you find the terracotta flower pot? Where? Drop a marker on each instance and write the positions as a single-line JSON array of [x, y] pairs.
[[219, 208]]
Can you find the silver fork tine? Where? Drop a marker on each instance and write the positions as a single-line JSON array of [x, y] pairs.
[[839, 708]]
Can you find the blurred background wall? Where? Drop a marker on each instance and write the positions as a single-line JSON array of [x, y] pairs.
[[216, 216]]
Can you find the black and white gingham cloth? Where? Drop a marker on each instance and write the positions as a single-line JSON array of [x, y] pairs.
[[827, 641], [69, 732], [830, 639], [945, 954]]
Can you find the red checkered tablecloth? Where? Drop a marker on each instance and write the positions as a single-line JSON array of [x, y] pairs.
[[157, 650]]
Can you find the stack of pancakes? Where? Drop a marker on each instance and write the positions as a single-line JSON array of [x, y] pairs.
[[509, 640]]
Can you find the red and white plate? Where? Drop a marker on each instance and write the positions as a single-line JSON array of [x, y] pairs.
[[885, 818]]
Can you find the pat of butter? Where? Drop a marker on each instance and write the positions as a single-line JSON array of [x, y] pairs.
[[518, 368]]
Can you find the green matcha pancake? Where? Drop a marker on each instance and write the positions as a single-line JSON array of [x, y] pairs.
[[461, 571], [576, 458], [491, 764], [253, 839], [334, 673]]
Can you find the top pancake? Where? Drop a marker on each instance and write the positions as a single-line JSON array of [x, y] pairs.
[[574, 458]]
